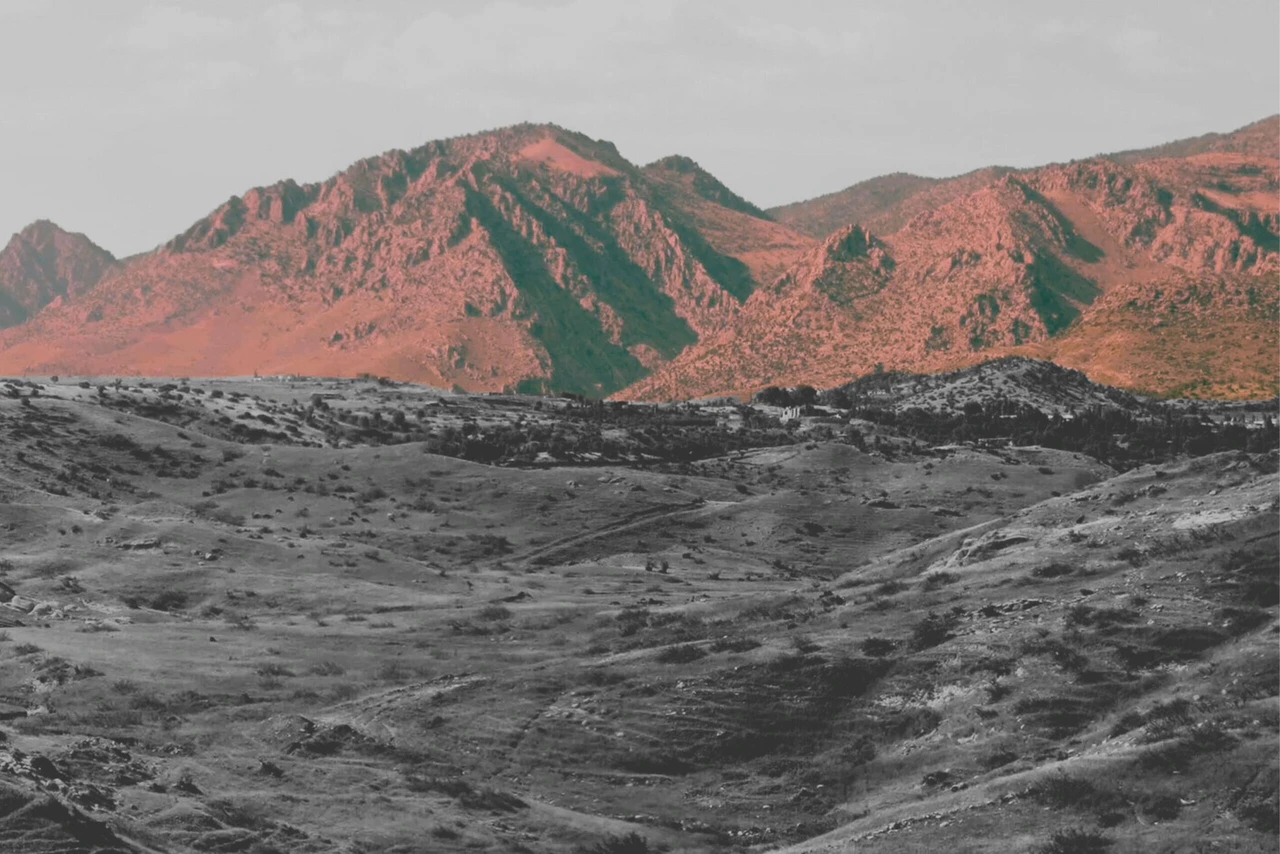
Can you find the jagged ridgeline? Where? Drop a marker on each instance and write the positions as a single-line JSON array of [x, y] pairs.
[[530, 258], [536, 259]]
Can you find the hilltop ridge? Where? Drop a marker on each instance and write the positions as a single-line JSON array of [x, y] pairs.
[[535, 258]]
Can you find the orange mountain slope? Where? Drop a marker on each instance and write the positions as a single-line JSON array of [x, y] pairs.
[[1160, 275], [535, 258], [529, 257]]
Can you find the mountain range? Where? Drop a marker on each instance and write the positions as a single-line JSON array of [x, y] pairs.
[[533, 258]]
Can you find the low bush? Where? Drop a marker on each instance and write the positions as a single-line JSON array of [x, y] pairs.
[[1053, 570], [631, 843], [888, 588], [934, 580], [1076, 841], [1176, 755], [1060, 791], [728, 644], [681, 654], [168, 600], [877, 647], [934, 629], [494, 613], [328, 668]]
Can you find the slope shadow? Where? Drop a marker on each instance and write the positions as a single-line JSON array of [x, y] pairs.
[[1055, 290], [648, 315], [583, 359]]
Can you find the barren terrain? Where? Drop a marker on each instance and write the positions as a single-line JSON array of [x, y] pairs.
[[1000, 610]]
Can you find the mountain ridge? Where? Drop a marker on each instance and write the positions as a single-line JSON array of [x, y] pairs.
[[530, 255], [1168, 256], [535, 258]]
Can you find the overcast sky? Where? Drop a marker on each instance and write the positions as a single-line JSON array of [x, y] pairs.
[[128, 119]]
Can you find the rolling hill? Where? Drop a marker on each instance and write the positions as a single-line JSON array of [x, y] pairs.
[[318, 616]]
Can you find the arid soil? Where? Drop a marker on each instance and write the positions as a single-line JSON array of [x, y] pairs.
[[348, 616]]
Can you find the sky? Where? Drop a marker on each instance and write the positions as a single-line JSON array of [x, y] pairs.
[[128, 120]]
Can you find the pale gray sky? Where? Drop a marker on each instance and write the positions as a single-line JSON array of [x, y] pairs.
[[130, 119]]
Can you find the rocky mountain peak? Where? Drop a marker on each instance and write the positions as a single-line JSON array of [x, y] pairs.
[[43, 263]]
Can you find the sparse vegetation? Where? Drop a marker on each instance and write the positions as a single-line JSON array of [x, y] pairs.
[[802, 628]]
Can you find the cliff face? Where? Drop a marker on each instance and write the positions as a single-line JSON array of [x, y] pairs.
[[530, 257], [41, 264]]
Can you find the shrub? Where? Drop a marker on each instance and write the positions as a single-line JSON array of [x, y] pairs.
[[1052, 570], [632, 843], [601, 677], [888, 588], [681, 654], [1076, 842], [728, 644], [1060, 791], [997, 759], [1178, 754], [328, 668], [1063, 655], [1128, 722], [632, 620], [933, 630], [1162, 805], [392, 671], [494, 613], [1132, 556], [877, 647], [168, 600], [934, 580]]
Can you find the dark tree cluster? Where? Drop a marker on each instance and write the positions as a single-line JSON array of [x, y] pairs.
[[1118, 438]]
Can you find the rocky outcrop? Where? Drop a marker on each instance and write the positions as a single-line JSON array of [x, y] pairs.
[[41, 264]]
